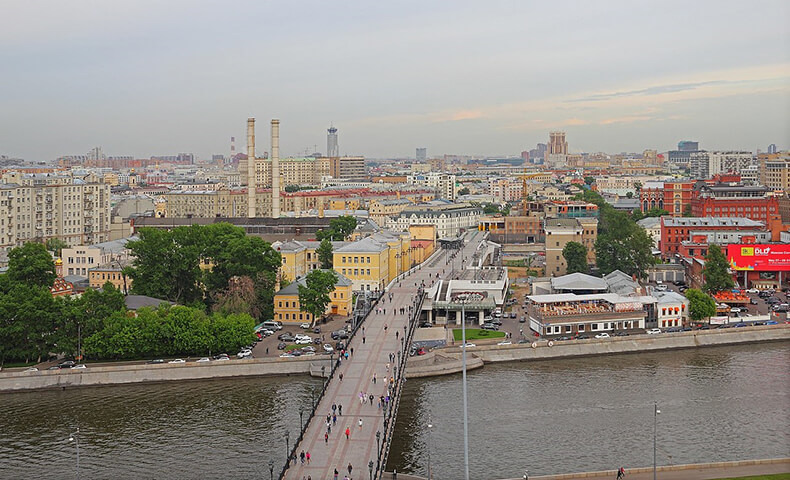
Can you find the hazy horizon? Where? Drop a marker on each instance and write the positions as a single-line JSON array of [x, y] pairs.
[[150, 78]]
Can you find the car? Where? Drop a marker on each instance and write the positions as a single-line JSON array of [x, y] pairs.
[[753, 301], [497, 314], [203, 360], [31, 370], [308, 354], [602, 335], [772, 322], [304, 326], [678, 283], [672, 330], [339, 335], [468, 345], [317, 341], [328, 348], [563, 339], [177, 360], [495, 321], [303, 341], [296, 353], [340, 345], [281, 346], [773, 301], [272, 325], [505, 342], [621, 334], [752, 290], [661, 287], [266, 332], [426, 325], [522, 319], [512, 314], [308, 349], [490, 326], [301, 335], [244, 353], [317, 330], [79, 366], [286, 337], [223, 358], [653, 331], [682, 289], [67, 364], [735, 310], [155, 361], [582, 337]]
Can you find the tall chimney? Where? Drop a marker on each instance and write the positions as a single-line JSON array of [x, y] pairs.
[[275, 168], [232, 149], [251, 184]]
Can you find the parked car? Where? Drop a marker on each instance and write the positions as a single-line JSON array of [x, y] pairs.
[[512, 314], [286, 337], [772, 322], [505, 342], [304, 326], [523, 319], [653, 331], [222, 358], [67, 364], [678, 283], [490, 326], [661, 287], [272, 325], [328, 348], [31, 370], [621, 334], [602, 335], [177, 360], [304, 341], [79, 366], [468, 345], [155, 361], [244, 353], [203, 360], [339, 335], [735, 310], [308, 349], [752, 290], [317, 330]]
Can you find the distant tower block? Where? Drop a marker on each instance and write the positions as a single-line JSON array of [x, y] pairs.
[[422, 154], [251, 184], [275, 168], [557, 143], [232, 149], [332, 150]]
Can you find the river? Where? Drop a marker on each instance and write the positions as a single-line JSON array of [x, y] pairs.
[[722, 403]]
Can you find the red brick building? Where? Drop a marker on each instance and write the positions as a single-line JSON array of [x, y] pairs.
[[728, 200], [675, 231], [671, 196]]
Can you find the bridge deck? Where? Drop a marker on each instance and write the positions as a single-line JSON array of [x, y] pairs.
[[370, 357]]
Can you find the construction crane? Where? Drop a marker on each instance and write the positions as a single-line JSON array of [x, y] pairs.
[[526, 175]]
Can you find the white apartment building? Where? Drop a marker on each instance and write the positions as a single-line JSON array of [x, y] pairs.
[[442, 183], [506, 189], [448, 218], [38, 207], [78, 260], [706, 164]]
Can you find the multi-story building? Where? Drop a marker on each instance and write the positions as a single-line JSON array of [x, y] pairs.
[[733, 200], [442, 183], [365, 263], [380, 211], [570, 209], [774, 170], [674, 197], [39, 207], [109, 272], [506, 189], [422, 154], [674, 231], [287, 308], [560, 232], [80, 259], [450, 219], [706, 164]]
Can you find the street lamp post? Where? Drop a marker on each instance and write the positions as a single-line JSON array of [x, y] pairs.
[[271, 469], [430, 470], [75, 437], [463, 302], [378, 444], [656, 411], [301, 418]]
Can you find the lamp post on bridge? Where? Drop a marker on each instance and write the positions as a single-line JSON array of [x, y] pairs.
[[287, 449], [656, 411], [75, 437], [463, 300], [378, 445], [430, 470], [301, 419], [271, 469]]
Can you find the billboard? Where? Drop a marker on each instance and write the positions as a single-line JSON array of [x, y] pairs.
[[759, 257]]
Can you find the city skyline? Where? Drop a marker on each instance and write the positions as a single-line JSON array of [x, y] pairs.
[[455, 78]]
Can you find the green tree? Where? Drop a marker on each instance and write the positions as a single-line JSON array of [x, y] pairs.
[[55, 245], [239, 297], [717, 278], [314, 294], [622, 245], [325, 255], [29, 317], [701, 305], [589, 180], [339, 228], [31, 264], [575, 255], [463, 191], [629, 194], [687, 211], [291, 188]]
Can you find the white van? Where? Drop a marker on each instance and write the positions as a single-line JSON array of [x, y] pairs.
[[272, 325]]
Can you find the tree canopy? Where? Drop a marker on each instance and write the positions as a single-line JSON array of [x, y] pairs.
[[325, 254], [31, 263], [575, 255], [637, 214], [701, 305], [715, 271], [463, 191], [314, 295], [339, 228]]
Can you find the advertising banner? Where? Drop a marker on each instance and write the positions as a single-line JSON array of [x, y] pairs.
[[759, 257]]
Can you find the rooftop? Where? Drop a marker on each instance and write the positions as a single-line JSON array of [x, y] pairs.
[[578, 281], [711, 222]]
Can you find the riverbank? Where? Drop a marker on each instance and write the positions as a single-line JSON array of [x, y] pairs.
[[19, 380], [694, 471], [493, 352]]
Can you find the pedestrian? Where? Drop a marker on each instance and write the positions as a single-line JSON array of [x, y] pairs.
[[326, 437], [385, 327], [363, 339], [350, 468], [374, 379], [387, 367], [341, 377], [352, 351], [336, 473], [334, 408], [348, 432], [371, 398], [346, 356], [620, 473], [396, 335], [363, 330], [267, 350], [360, 424], [301, 456], [334, 420], [307, 456], [385, 311], [340, 409]]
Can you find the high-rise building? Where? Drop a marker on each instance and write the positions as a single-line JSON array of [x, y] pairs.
[[688, 146], [774, 170], [422, 154], [332, 150], [772, 148], [557, 143], [707, 164]]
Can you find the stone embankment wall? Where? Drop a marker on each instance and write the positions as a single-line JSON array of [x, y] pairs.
[[631, 344], [138, 373]]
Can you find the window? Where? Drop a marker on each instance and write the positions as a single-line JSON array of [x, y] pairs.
[[281, 305], [356, 271], [581, 327], [368, 271], [594, 326]]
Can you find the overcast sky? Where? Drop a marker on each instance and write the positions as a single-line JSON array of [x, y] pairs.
[[485, 78]]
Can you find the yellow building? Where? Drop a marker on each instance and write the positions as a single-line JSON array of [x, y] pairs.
[[422, 243], [109, 272], [288, 310], [365, 263], [299, 257]]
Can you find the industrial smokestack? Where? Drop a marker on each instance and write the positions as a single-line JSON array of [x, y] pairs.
[[251, 183], [232, 149], [275, 168]]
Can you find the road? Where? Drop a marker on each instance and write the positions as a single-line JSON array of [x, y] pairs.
[[372, 349]]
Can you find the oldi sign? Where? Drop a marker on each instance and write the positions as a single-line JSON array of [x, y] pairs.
[[759, 258]]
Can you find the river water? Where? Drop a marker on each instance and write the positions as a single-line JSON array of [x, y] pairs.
[[723, 403], [596, 413]]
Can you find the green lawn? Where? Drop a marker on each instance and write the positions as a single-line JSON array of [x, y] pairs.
[[777, 476], [477, 334]]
